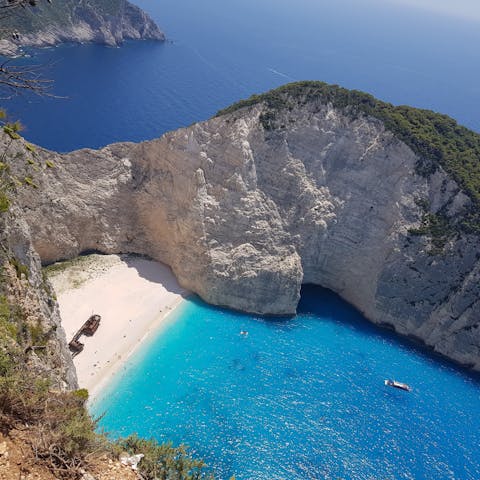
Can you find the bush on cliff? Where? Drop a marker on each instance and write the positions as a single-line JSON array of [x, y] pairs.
[[163, 461]]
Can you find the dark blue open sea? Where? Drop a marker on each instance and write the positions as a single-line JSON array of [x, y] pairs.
[[302, 398], [223, 51]]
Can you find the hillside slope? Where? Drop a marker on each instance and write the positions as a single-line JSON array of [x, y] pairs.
[[101, 21]]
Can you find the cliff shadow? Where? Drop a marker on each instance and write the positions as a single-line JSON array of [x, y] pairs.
[[328, 304], [155, 272]]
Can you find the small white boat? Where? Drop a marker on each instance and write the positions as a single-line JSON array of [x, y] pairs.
[[399, 385], [244, 333]]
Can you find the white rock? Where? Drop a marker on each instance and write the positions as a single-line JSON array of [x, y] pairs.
[[328, 200]]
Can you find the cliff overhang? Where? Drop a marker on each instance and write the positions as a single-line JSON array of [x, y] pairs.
[[250, 205]]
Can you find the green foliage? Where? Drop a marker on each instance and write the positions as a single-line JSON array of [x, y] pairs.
[[4, 308], [61, 431], [57, 14], [8, 333], [6, 363], [77, 432], [29, 181], [8, 329], [81, 394], [59, 267], [4, 202], [437, 139], [21, 394], [12, 129], [20, 268], [56, 267], [30, 147], [26, 153], [438, 228], [38, 336], [163, 461]]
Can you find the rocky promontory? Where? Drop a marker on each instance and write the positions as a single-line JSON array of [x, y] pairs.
[[307, 184], [100, 21]]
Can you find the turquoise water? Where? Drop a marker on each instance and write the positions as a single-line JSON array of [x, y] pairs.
[[299, 398]]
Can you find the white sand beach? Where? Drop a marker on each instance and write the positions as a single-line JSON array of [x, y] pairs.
[[133, 296]]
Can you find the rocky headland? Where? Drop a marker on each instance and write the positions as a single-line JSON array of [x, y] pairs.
[[306, 184], [99, 21]]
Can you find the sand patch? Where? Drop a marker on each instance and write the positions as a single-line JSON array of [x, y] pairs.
[[133, 296]]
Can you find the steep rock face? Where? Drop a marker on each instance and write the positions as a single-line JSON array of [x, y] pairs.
[[98, 21], [33, 296], [245, 214]]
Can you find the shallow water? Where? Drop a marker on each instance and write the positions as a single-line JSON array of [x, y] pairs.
[[300, 398]]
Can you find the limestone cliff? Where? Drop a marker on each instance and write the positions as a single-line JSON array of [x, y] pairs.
[[107, 22], [33, 305], [251, 204]]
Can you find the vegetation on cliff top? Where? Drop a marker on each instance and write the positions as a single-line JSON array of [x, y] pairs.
[[437, 139], [32, 19]]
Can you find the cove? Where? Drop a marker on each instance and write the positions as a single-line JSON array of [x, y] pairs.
[[297, 398], [301, 398]]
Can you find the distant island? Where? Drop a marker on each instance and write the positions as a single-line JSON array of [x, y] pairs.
[[108, 22]]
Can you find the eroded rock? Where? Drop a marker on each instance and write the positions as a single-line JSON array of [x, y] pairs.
[[244, 215]]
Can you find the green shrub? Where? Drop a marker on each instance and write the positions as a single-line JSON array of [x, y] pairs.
[[163, 461], [438, 228], [6, 363], [20, 268], [81, 394], [75, 434], [61, 431], [6, 327], [4, 202], [29, 181], [38, 336]]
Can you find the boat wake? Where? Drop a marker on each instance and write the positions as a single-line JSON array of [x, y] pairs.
[[284, 75]]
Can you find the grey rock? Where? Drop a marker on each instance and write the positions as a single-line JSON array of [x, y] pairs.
[[88, 476], [36, 297], [81, 22], [244, 216]]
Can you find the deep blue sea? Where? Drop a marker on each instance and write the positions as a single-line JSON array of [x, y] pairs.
[[302, 398], [298, 399], [223, 51]]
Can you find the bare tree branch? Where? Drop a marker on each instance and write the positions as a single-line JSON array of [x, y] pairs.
[[16, 79]]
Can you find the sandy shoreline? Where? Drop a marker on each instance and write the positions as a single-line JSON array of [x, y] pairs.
[[134, 297]]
